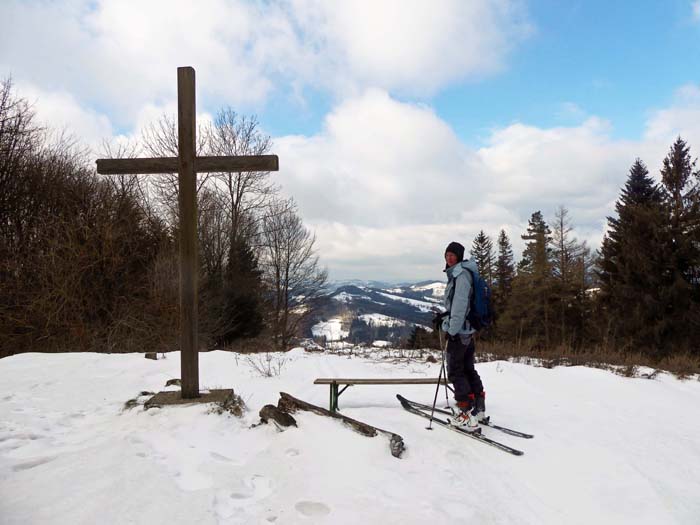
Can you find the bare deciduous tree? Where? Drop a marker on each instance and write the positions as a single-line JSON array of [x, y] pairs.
[[160, 139], [246, 193], [571, 266], [290, 268]]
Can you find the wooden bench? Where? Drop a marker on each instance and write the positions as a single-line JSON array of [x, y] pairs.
[[334, 382]]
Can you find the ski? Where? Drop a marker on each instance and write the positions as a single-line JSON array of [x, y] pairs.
[[474, 435], [509, 431], [486, 422]]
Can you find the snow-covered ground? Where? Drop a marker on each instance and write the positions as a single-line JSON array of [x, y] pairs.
[[332, 330], [345, 297], [423, 306], [436, 288], [381, 320], [607, 449]]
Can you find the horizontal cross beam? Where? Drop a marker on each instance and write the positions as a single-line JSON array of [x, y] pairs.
[[201, 164]]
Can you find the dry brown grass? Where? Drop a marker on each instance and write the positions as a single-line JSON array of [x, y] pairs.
[[624, 363], [253, 345]]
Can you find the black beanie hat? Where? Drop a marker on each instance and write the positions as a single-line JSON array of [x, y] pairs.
[[457, 249]]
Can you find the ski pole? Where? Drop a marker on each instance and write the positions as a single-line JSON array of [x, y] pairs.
[[437, 388], [447, 399]]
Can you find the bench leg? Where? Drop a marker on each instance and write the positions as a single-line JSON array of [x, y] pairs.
[[334, 397]]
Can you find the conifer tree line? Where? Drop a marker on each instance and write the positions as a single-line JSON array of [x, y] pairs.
[[91, 263], [639, 293]]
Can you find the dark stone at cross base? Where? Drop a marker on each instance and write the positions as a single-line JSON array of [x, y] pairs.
[[161, 399], [271, 412]]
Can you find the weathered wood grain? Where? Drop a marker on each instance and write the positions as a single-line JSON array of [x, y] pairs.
[[153, 166], [292, 404], [187, 200]]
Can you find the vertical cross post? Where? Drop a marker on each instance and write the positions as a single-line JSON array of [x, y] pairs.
[[187, 200]]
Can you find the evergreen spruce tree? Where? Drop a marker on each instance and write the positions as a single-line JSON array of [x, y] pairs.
[[527, 318], [681, 322], [631, 267], [538, 250], [413, 338], [241, 314], [505, 271], [482, 251], [360, 331]]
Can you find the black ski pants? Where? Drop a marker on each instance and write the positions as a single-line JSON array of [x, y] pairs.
[[460, 368]]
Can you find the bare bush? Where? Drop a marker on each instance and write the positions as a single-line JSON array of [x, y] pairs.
[[267, 364]]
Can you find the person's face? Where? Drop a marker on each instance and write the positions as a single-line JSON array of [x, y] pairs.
[[450, 259]]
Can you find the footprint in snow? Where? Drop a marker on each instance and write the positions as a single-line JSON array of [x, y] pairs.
[[228, 504], [455, 454], [220, 457], [20, 437], [256, 488], [32, 463], [291, 452], [312, 508]]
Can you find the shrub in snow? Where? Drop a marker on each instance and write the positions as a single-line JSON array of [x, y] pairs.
[[267, 365]]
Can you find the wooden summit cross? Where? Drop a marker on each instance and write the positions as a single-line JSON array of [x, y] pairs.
[[187, 164]]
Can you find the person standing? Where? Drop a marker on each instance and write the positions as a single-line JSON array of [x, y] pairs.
[[468, 388]]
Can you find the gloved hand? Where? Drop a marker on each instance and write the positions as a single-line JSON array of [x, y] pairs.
[[437, 319]]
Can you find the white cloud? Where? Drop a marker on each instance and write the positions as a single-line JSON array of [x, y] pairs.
[[695, 6], [411, 46], [387, 181], [374, 151], [681, 118], [60, 111], [119, 55], [387, 184]]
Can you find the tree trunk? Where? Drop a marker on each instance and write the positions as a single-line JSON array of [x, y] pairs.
[[291, 404]]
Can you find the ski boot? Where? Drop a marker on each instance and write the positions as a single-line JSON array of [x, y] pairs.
[[465, 420], [479, 410]]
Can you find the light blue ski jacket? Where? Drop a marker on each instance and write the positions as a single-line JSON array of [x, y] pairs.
[[459, 285]]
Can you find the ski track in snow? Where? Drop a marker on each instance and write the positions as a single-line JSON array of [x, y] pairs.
[[68, 450]]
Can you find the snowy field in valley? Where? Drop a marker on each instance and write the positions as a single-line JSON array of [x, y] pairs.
[[607, 449], [345, 297], [381, 320], [332, 329], [421, 305], [437, 288]]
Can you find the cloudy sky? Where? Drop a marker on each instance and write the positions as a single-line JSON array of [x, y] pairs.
[[401, 125]]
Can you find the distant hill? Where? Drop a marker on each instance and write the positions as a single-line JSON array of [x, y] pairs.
[[334, 285], [360, 312]]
